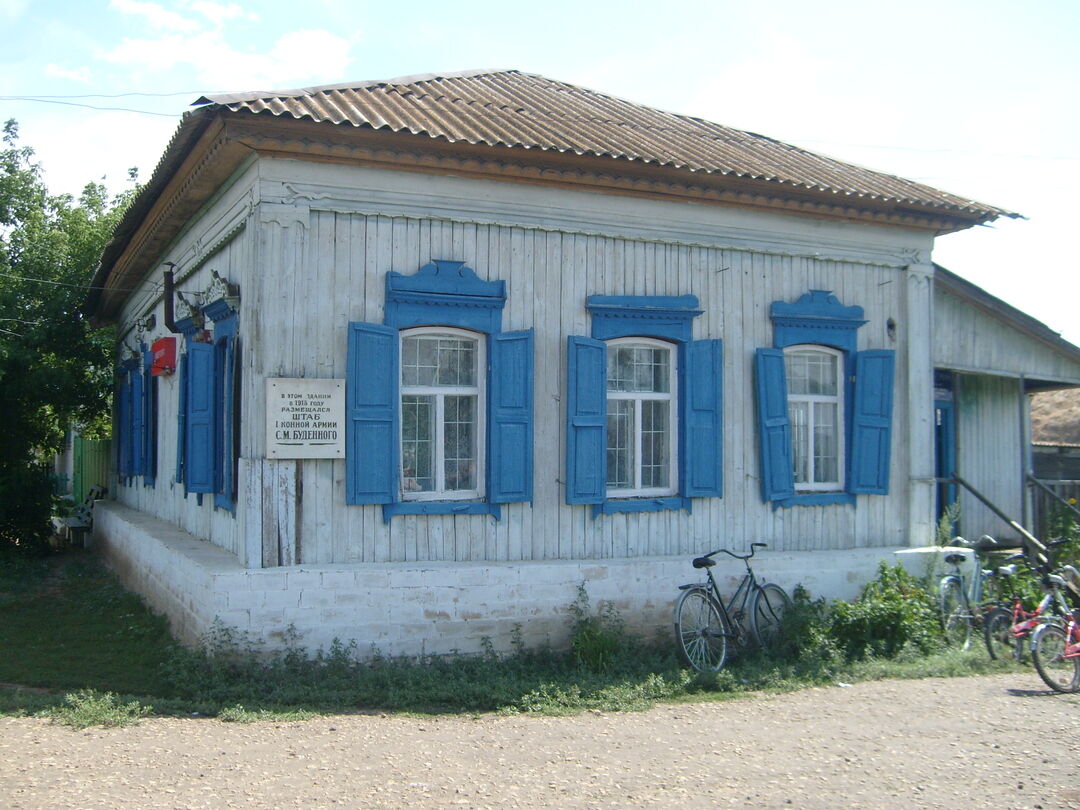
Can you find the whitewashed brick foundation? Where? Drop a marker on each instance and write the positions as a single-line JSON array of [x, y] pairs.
[[416, 608]]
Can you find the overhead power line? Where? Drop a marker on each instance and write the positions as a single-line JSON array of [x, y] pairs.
[[43, 100]]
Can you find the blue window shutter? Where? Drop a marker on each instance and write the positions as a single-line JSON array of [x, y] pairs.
[[123, 429], [150, 402], [199, 445], [225, 472], [871, 424], [702, 415], [774, 427], [138, 423], [510, 418], [586, 420], [181, 421], [371, 430]]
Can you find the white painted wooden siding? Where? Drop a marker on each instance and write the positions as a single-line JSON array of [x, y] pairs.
[[314, 257], [990, 446], [966, 338]]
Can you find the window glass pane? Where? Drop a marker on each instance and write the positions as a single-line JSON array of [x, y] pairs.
[[826, 466], [459, 442], [417, 440], [639, 369], [438, 360], [812, 372], [655, 457], [799, 415], [620, 444]]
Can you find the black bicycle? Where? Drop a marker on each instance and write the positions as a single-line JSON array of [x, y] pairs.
[[707, 629]]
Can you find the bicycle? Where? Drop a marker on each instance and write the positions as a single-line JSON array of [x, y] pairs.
[[1007, 625], [958, 617], [706, 628], [1055, 645]]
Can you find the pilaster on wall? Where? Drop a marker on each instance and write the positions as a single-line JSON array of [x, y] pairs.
[[918, 346]]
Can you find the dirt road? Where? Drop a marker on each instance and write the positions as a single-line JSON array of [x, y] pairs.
[[996, 742]]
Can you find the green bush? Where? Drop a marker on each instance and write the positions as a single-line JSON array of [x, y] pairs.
[[86, 708], [893, 613], [596, 640]]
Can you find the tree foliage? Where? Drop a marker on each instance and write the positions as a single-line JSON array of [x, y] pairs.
[[54, 370]]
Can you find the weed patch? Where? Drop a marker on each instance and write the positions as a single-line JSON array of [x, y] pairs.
[[86, 708]]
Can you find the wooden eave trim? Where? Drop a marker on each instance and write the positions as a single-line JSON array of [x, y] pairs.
[[211, 160], [342, 143]]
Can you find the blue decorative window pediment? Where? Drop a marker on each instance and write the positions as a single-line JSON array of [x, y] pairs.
[[668, 317], [817, 317], [444, 292]]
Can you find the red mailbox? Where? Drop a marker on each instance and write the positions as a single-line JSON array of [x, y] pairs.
[[164, 350]]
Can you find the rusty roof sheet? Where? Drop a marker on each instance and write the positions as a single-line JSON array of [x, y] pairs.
[[513, 109]]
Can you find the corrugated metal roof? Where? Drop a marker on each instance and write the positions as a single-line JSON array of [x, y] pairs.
[[514, 109]]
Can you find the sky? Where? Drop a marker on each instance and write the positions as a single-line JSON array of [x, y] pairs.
[[978, 98]]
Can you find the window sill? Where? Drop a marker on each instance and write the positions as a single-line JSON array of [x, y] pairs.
[[618, 505], [816, 499], [441, 508]]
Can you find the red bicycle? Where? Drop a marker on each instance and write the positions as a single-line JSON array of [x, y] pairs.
[[1055, 645], [1005, 628]]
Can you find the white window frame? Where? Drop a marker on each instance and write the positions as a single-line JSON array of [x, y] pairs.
[[811, 399], [672, 397], [440, 392]]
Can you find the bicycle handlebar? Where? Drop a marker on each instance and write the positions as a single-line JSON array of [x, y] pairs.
[[744, 557]]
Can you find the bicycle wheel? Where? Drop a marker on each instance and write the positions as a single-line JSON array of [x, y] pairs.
[[1048, 644], [767, 614], [701, 631], [955, 617], [1000, 643]]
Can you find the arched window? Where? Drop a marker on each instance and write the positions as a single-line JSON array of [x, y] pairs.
[[816, 412], [641, 416], [442, 414]]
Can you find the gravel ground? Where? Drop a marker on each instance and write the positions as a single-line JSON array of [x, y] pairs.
[[999, 741]]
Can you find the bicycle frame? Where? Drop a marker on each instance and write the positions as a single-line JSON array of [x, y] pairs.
[[742, 594]]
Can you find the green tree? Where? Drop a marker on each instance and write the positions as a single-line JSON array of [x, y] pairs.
[[54, 370]]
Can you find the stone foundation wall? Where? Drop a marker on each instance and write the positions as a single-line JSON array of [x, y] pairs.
[[424, 608]]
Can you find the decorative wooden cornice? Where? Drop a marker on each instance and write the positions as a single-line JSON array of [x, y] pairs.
[[196, 166]]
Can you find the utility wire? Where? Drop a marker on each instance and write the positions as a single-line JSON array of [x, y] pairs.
[[87, 106]]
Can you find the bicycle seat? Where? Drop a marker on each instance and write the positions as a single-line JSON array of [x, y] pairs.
[[704, 562], [952, 559]]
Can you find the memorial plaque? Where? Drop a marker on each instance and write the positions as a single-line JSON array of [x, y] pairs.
[[305, 418]]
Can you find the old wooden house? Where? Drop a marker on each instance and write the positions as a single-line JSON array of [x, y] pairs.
[[406, 362]]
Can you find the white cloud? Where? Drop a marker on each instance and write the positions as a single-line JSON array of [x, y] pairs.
[[218, 14], [81, 74], [220, 66], [158, 16], [12, 9]]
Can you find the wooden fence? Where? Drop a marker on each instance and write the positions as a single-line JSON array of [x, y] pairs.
[[1047, 511], [90, 466]]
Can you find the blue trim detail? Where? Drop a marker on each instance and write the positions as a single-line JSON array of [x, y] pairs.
[[817, 318], [667, 317], [218, 310], [444, 293], [816, 499], [614, 506], [441, 508], [189, 327]]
